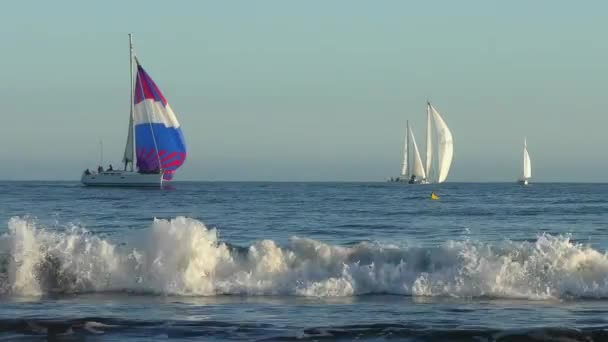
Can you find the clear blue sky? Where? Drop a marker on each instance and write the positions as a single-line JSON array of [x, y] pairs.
[[310, 90]]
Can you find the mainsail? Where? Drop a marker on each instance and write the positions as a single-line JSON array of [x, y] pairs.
[[417, 167], [405, 153], [129, 153], [159, 141], [526, 167]]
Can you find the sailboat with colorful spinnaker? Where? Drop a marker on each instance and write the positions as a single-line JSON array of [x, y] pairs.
[[155, 146]]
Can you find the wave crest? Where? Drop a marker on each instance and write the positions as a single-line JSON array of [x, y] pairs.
[[182, 256]]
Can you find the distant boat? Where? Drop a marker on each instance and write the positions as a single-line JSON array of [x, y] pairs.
[[439, 152], [155, 142], [526, 169], [412, 169]]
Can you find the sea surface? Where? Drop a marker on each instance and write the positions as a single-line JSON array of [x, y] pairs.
[[245, 261]]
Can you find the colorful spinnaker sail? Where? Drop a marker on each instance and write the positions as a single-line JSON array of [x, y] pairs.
[[159, 141]]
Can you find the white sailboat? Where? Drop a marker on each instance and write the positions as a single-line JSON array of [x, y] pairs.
[[439, 152], [439, 147], [155, 146], [412, 170], [526, 171]]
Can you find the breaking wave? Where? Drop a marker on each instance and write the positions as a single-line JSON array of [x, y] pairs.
[[183, 257]]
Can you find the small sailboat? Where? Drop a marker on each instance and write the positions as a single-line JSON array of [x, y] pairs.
[[526, 172], [412, 170], [155, 146], [439, 147]]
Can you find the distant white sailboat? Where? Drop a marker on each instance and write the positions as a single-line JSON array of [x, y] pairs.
[[412, 170], [526, 172], [439, 147], [439, 152]]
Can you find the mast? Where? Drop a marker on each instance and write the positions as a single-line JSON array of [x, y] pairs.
[[129, 155], [132, 128]]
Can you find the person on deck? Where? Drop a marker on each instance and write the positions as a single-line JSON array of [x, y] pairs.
[[100, 169], [110, 168]]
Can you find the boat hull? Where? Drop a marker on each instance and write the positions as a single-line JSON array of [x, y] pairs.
[[407, 181], [122, 179], [522, 182]]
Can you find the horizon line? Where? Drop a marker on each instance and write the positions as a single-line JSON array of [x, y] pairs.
[[313, 181]]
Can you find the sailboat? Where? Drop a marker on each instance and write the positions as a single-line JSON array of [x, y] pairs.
[[526, 171], [439, 152], [439, 147], [412, 169], [155, 146]]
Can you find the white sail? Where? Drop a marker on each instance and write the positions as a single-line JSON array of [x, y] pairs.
[[429, 145], [129, 152], [417, 166], [445, 146], [404, 166], [527, 167]]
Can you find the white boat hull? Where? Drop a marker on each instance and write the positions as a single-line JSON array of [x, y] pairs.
[[407, 181], [122, 179]]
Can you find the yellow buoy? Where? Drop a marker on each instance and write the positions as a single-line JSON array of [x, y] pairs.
[[433, 196]]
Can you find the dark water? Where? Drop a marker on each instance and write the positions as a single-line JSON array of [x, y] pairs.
[[304, 261]]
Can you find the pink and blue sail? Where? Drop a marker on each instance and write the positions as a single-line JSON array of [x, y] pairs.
[[159, 141]]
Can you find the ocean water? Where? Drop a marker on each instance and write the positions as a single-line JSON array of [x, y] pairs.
[[304, 261]]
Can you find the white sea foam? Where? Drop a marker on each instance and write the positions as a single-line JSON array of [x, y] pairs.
[[183, 257]]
